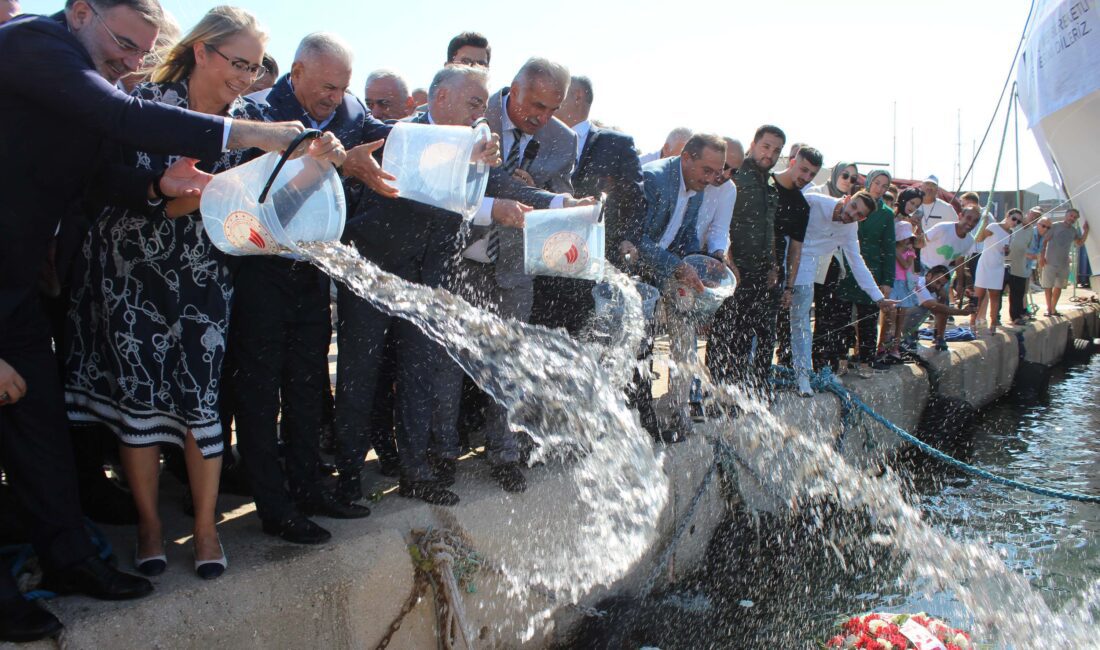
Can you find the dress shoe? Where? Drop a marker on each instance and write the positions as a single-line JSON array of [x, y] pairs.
[[154, 565], [429, 492], [444, 469], [297, 529], [328, 505], [94, 577], [21, 621], [210, 569], [510, 477]]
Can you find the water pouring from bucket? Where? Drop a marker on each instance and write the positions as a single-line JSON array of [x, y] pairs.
[[269, 205], [439, 165]]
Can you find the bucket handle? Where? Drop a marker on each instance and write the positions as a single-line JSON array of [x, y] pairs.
[[308, 134]]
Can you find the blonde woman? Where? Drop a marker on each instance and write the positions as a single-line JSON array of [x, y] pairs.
[[150, 319]]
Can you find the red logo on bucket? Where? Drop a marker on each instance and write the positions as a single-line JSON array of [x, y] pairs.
[[245, 234], [565, 252], [256, 239]]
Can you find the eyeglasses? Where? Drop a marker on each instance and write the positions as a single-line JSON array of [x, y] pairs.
[[123, 43], [1042, 227], [255, 71], [847, 175]]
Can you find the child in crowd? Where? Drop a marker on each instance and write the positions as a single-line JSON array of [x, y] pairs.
[[905, 285]]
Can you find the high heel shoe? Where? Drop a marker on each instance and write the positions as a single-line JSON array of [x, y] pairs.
[[154, 565], [210, 569]]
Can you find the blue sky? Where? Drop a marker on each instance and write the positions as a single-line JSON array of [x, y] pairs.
[[829, 73]]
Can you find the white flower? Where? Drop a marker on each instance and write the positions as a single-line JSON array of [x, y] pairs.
[[886, 645], [876, 625], [961, 641]]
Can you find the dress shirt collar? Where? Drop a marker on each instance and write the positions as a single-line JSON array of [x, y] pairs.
[[684, 191], [582, 129]]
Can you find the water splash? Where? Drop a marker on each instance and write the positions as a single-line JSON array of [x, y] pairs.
[[568, 397], [804, 471]]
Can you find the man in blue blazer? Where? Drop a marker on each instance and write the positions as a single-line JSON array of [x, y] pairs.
[[607, 164], [60, 112], [281, 325], [674, 193]]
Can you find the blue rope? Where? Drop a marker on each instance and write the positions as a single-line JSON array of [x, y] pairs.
[[826, 381]]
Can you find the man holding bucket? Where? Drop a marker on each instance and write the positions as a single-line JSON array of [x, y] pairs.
[[59, 75], [674, 190], [281, 326]]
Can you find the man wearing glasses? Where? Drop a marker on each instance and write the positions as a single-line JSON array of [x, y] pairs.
[[469, 48], [1020, 259], [60, 112]]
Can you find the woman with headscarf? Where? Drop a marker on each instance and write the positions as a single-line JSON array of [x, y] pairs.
[[876, 245], [843, 182]]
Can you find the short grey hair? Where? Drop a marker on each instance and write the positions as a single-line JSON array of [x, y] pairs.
[[680, 133], [540, 68], [585, 84], [324, 44], [379, 75], [451, 74]]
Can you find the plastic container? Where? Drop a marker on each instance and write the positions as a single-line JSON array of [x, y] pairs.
[[610, 305], [718, 281], [566, 242], [269, 205], [433, 165]]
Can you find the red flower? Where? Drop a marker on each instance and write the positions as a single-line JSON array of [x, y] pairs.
[[952, 646], [835, 642]]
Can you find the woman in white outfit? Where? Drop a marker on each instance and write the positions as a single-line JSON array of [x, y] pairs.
[[989, 280]]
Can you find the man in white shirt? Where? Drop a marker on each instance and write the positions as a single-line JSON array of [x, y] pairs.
[[934, 210], [833, 225], [674, 144], [929, 289]]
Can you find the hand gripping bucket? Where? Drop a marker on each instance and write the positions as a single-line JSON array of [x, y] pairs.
[[267, 206], [434, 164], [718, 281], [566, 242]]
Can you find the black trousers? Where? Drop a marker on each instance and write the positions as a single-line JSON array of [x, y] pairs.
[[1017, 296], [279, 333], [746, 318], [866, 330], [35, 447], [831, 318], [782, 332], [563, 302]]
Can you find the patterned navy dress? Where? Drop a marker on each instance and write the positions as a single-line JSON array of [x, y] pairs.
[[150, 314]]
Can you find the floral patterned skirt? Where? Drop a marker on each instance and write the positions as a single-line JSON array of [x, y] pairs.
[[147, 331]]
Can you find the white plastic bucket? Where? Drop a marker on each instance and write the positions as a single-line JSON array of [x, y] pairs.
[[433, 165], [610, 304], [268, 205], [566, 242], [718, 281]]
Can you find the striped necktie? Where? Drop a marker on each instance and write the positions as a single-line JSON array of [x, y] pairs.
[[492, 247]]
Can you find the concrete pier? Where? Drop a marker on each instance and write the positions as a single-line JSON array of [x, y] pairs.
[[347, 593]]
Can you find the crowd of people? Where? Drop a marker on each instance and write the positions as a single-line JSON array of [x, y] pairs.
[[118, 314]]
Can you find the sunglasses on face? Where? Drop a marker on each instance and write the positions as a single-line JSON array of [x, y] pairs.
[[847, 175]]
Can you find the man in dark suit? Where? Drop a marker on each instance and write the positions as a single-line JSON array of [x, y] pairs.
[[607, 163], [281, 325], [419, 243], [59, 112]]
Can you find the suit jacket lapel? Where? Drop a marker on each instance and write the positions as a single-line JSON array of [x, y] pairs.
[[587, 147]]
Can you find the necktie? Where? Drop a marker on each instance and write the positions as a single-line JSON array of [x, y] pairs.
[[512, 161]]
